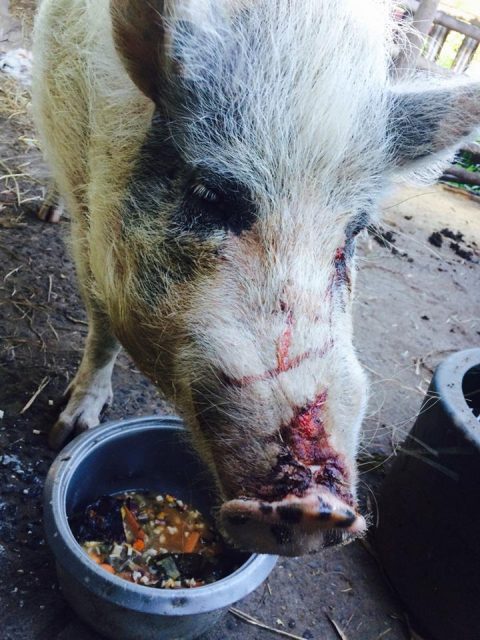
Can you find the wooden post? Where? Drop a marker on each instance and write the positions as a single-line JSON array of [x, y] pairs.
[[4, 19], [435, 43], [464, 55], [422, 23], [466, 52]]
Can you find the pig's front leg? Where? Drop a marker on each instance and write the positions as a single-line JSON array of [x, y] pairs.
[[91, 390]]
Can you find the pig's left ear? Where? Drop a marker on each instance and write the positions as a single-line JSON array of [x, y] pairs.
[[430, 122], [142, 40]]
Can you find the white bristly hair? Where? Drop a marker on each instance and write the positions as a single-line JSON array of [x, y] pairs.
[[278, 74]]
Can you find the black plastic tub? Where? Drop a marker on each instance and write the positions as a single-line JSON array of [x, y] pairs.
[[428, 536], [147, 454]]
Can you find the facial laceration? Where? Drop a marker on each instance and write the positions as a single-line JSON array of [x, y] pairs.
[[344, 254]]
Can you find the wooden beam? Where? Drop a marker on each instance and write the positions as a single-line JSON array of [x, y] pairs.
[[422, 23], [435, 42], [459, 174], [446, 20], [454, 24], [465, 54]]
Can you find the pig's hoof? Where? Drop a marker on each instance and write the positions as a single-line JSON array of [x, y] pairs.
[[50, 213], [83, 411]]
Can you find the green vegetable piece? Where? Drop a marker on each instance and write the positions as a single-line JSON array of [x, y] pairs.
[[169, 567]]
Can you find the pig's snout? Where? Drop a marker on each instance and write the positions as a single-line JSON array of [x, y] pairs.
[[293, 493], [291, 526]]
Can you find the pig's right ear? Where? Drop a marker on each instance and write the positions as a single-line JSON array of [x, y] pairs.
[[429, 123], [142, 40]]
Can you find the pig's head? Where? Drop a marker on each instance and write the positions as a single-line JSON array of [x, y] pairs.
[[274, 130]]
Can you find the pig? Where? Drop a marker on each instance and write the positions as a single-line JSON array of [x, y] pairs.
[[218, 159]]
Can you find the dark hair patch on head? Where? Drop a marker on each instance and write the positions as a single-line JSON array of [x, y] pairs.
[[154, 178], [193, 201], [163, 254]]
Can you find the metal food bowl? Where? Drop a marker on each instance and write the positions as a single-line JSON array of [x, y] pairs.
[[429, 507], [144, 454]]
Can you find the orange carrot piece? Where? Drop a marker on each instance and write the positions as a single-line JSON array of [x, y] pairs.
[[133, 524], [139, 545], [191, 542], [108, 568], [125, 575], [95, 557]]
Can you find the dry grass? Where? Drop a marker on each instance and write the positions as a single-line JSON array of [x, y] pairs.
[[19, 152], [15, 101], [24, 11]]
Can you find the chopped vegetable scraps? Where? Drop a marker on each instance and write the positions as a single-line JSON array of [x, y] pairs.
[[153, 540]]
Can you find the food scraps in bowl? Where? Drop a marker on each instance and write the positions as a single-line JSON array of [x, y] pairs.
[[153, 540]]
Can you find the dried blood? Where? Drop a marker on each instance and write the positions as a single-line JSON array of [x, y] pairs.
[[342, 273], [307, 439], [288, 476], [306, 435]]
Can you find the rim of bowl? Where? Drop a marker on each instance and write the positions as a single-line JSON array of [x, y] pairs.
[[69, 554], [448, 378]]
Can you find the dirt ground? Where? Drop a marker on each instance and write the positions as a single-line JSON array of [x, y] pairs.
[[416, 303]]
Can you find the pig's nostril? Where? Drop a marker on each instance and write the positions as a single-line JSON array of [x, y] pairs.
[[345, 519], [290, 513], [266, 509], [237, 520]]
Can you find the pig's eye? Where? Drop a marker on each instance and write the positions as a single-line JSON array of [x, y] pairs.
[[214, 204], [205, 193]]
